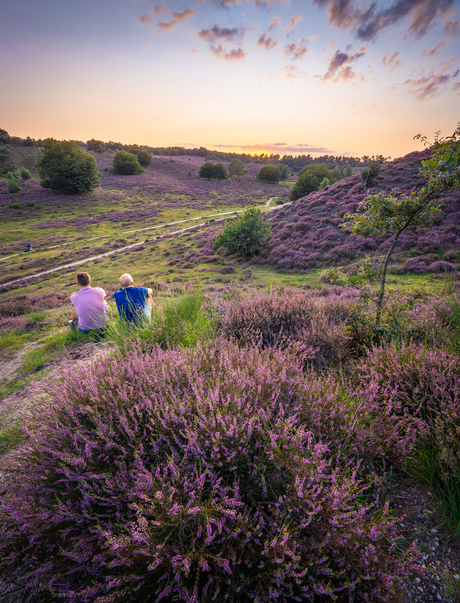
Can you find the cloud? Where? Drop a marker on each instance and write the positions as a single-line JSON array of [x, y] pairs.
[[217, 33], [164, 25], [274, 23], [392, 61], [429, 85], [267, 42], [292, 23], [338, 65], [368, 23], [297, 50], [158, 9], [277, 148], [292, 72], [145, 20], [234, 54]]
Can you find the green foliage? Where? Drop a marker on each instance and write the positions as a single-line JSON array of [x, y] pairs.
[[63, 166], [244, 234], [95, 145], [306, 183], [25, 174], [213, 171], [183, 321], [324, 182], [369, 174], [284, 170], [12, 185], [269, 173], [126, 163], [348, 171], [143, 156], [442, 170], [391, 213], [236, 168]]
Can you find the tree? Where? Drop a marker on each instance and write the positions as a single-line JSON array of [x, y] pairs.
[[269, 173], [392, 213], [244, 234], [348, 171], [236, 168], [126, 163], [306, 183], [63, 166], [95, 145], [284, 170], [12, 185], [143, 156], [324, 182], [213, 171]]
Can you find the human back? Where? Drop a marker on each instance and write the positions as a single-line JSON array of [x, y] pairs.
[[134, 304]]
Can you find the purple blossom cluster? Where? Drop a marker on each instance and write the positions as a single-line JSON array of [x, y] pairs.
[[307, 234], [219, 474]]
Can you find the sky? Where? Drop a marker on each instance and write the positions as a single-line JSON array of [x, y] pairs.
[[346, 77]]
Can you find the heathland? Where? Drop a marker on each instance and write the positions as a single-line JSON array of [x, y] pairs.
[[263, 439]]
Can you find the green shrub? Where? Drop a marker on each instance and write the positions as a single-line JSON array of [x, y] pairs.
[[306, 183], [63, 166], [236, 167], [143, 156], [213, 171], [269, 173], [25, 174], [244, 234], [369, 174], [12, 186], [126, 163]]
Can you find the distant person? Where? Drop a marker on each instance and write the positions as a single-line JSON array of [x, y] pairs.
[[134, 304], [93, 311], [29, 247]]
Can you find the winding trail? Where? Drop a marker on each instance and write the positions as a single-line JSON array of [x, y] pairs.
[[120, 249]]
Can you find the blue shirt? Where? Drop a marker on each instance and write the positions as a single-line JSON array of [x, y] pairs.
[[130, 303]]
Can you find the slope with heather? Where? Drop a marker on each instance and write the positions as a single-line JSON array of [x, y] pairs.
[[307, 234]]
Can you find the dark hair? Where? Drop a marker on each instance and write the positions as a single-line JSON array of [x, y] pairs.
[[83, 279]]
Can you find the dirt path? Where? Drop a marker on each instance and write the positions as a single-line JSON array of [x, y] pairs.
[[121, 249]]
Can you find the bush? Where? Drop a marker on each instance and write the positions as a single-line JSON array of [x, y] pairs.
[[236, 168], [143, 156], [12, 185], [63, 166], [422, 388], [126, 163], [269, 173], [244, 234], [25, 174], [213, 171], [369, 174], [306, 183], [192, 478]]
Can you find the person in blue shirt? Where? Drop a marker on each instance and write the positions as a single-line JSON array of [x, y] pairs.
[[134, 304]]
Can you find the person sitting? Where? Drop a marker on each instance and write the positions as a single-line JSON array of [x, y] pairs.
[[93, 311], [134, 304]]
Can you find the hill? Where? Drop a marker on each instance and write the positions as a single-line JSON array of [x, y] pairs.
[[307, 234]]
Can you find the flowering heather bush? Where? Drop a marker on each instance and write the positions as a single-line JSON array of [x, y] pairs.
[[423, 388], [176, 476], [307, 234], [22, 304]]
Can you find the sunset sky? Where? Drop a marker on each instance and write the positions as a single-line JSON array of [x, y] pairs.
[[289, 77]]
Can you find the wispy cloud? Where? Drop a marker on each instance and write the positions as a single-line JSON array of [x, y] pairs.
[[267, 42], [292, 72], [225, 34], [234, 54], [339, 65], [297, 50], [277, 148], [291, 24], [431, 84], [368, 23], [274, 23], [392, 61], [177, 18]]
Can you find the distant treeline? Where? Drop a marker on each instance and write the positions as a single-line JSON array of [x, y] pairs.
[[295, 162]]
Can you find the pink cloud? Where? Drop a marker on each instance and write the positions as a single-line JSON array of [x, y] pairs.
[[392, 61], [297, 50], [291, 24], [267, 42]]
